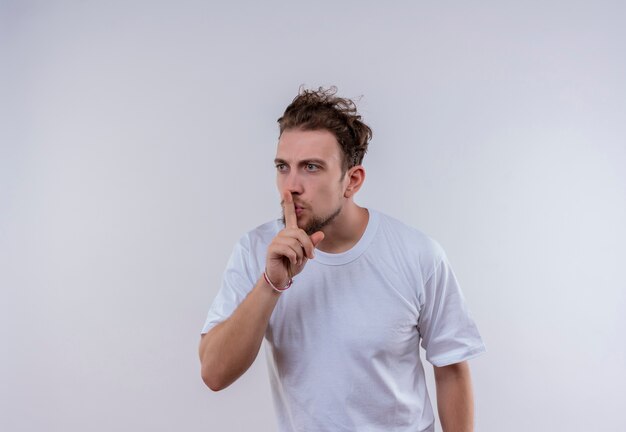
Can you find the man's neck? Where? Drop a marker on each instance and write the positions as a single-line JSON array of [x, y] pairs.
[[346, 230]]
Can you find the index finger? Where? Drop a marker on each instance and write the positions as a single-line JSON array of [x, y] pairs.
[[291, 221]]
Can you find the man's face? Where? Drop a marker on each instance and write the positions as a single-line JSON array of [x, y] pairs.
[[308, 165]]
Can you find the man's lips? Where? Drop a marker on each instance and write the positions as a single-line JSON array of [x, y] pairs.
[[299, 209]]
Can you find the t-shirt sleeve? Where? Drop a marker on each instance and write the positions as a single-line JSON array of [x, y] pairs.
[[449, 334], [237, 282]]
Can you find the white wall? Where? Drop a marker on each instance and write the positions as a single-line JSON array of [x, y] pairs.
[[136, 146]]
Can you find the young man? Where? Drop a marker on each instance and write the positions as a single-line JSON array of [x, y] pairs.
[[342, 294]]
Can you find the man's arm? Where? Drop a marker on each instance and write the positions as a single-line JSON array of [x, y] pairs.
[[229, 348], [455, 400]]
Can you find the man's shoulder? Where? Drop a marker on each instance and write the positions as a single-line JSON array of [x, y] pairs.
[[261, 235], [408, 238], [267, 229]]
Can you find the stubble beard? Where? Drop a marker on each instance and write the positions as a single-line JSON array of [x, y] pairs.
[[317, 223]]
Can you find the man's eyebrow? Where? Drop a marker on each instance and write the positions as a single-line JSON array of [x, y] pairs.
[[302, 162], [315, 161]]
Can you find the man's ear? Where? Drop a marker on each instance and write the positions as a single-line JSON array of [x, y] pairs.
[[356, 177]]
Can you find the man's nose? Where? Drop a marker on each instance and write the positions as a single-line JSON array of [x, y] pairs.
[[293, 183]]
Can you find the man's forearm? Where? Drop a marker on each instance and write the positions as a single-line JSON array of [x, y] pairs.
[[230, 347], [455, 400]]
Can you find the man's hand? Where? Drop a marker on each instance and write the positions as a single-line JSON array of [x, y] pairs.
[[291, 248]]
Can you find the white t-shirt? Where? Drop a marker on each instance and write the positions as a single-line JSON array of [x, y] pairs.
[[343, 341]]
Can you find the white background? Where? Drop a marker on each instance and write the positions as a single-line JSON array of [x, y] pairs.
[[136, 146]]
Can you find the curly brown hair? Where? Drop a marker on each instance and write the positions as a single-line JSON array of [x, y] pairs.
[[321, 109]]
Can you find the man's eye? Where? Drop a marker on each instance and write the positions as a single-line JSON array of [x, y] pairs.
[[280, 167], [312, 167]]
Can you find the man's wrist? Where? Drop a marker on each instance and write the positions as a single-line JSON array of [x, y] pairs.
[[277, 288]]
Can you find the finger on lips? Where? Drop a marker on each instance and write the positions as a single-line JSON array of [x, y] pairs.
[[291, 221], [302, 245]]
